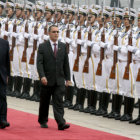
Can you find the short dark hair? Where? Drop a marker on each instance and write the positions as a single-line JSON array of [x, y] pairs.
[[52, 27]]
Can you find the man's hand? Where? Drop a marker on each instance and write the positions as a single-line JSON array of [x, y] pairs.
[[44, 81], [68, 83]]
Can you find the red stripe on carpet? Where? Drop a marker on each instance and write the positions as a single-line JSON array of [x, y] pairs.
[[24, 126]]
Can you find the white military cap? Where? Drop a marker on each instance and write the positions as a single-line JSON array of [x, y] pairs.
[[30, 3], [106, 13], [10, 5], [39, 8], [126, 14], [41, 3], [119, 9], [84, 7], [82, 11], [131, 10], [93, 12], [118, 14], [92, 6], [108, 8], [19, 6], [28, 7], [97, 7], [57, 7], [69, 10], [49, 7]]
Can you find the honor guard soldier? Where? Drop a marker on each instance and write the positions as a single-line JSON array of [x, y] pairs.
[[16, 50], [124, 73], [116, 98], [49, 11], [136, 67], [67, 37], [36, 38], [26, 52], [6, 30], [88, 68], [79, 57], [100, 78]]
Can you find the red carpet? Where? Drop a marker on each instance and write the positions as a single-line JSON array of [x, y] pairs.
[[24, 126]]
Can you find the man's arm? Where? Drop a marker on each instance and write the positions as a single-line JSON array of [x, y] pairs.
[[40, 68], [66, 66]]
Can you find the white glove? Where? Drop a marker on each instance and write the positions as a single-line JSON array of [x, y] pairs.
[[14, 34], [67, 40], [130, 48], [115, 48], [7, 33], [26, 35], [103, 45], [46, 37], [35, 37], [89, 43], [80, 42]]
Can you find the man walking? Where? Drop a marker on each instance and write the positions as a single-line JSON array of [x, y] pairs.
[[4, 73], [53, 69]]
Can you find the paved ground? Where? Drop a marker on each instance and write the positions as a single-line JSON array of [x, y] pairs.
[[82, 119]]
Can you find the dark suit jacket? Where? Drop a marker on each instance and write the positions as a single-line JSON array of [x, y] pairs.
[[4, 61], [56, 70]]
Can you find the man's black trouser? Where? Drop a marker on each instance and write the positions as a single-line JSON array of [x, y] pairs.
[[3, 103], [57, 93]]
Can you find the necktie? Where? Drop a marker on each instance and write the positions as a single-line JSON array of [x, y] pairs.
[[55, 50]]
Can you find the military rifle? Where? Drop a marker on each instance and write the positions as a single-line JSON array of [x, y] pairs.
[[13, 41], [86, 64], [99, 68], [129, 55], [6, 23], [24, 56], [76, 63], [115, 55], [68, 30], [32, 58]]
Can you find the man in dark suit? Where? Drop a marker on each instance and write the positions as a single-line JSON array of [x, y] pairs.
[[4, 73], [54, 72]]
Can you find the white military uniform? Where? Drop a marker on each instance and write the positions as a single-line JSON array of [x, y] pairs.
[[124, 87], [78, 75], [135, 66]]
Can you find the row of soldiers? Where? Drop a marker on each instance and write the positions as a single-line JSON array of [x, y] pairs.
[[103, 46]]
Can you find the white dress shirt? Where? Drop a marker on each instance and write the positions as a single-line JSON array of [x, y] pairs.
[[52, 44]]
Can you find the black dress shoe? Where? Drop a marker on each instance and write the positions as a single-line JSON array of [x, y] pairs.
[[4, 124], [105, 115], [126, 118], [66, 104], [111, 115], [76, 107], [138, 122], [93, 112], [63, 127], [43, 125], [87, 109], [134, 121], [100, 112]]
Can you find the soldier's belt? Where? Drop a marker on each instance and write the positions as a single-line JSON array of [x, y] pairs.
[[136, 61], [121, 61], [96, 55], [108, 57], [83, 54]]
